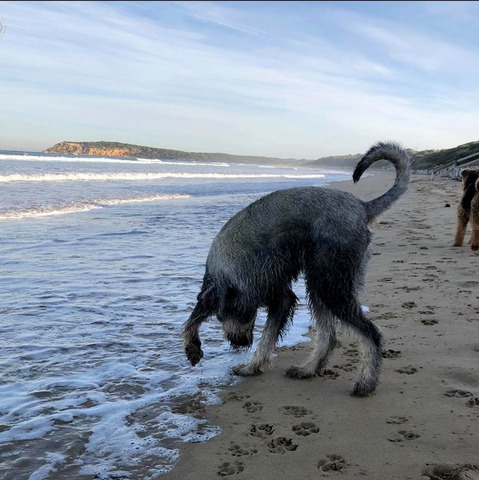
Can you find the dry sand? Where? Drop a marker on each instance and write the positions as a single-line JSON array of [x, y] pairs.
[[423, 421]]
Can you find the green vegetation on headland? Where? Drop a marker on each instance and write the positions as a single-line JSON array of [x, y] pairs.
[[426, 161], [423, 160], [116, 149]]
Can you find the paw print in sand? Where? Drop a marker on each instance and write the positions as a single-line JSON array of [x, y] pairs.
[[230, 468], [281, 445], [305, 428], [295, 411], [332, 463], [262, 430], [238, 451], [253, 407]]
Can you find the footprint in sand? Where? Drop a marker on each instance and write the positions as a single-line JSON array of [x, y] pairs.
[[409, 305], [296, 411], [305, 428], [230, 468], [238, 451], [408, 289], [262, 430], [473, 402], [331, 374], [386, 316], [408, 370], [236, 396], [347, 367], [468, 283], [332, 463], [429, 321], [447, 472], [404, 435], [391, 353], [398, 420], [458, 393], [253, 407], [281, 445]]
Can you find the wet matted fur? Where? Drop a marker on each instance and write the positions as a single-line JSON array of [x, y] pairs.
[[468, 209], [317, 232]]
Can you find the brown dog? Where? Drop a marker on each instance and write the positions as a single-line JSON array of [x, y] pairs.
[[468, 209]]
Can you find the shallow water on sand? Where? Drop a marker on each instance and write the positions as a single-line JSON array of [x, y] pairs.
[[101, 262]]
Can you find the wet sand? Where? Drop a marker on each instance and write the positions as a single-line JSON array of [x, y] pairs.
[[423, 420]]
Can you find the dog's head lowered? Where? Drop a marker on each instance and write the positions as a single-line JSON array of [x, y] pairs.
[[237, 318]]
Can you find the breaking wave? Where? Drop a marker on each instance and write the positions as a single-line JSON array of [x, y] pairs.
[[135, 176], [135, 161], [81, 206]]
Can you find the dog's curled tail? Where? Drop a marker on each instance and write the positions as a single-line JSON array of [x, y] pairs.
[[398, 157]]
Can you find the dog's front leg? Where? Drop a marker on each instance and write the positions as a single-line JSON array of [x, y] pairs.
[[475, 223], [263, 354], [280, 312], [462, 220]]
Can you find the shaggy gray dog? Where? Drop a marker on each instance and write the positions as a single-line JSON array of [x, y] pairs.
[[317, 232]]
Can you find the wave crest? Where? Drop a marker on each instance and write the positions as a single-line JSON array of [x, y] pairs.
[[82, 206], [129, 176]]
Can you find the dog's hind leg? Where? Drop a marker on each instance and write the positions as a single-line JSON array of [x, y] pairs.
[[337, 287], [324, 341], [370, 338], [462, 219], [280, 312]]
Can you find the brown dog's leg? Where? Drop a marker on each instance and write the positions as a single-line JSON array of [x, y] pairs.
[[475, 222], [462, 219]]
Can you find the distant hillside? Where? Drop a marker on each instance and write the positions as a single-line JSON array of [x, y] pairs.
[[431, 160], [437, 159], [424, 160], [347, 162], [116, 149]]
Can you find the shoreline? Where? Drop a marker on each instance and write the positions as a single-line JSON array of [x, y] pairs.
[[423, 294]]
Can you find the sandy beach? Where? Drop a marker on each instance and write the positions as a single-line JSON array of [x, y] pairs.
[[423, 421]]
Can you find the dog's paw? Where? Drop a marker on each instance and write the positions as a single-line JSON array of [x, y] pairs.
[[246, 370], [474, 247], [194, 354], [299, 373], [362, 389]]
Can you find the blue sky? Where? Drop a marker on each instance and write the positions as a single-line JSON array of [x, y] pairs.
[[286, 79]]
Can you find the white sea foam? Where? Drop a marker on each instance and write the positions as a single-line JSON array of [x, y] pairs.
[[85, 159], [139, 176], [82, 206]]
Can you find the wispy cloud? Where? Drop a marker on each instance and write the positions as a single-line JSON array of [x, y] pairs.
[[215, 76], [219, 14]]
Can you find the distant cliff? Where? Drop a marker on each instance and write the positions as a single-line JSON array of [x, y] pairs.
[[425, 160], [116, 149]]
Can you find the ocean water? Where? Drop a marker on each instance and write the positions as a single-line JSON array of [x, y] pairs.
[[101, 260]]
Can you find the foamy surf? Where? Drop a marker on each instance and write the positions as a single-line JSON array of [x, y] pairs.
[[138, 176], [82, 207], [85, 159]]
